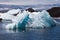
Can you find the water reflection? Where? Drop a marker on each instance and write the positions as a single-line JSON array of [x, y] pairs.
[[15, 30], [41, 30], [52, 33]]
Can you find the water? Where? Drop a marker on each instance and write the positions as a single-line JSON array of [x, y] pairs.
[[39, 7], [52, 33]]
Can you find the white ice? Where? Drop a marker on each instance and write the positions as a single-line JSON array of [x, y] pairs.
[[34, 20], [17, 20], [9, 14], [40, 19], [13, 11]]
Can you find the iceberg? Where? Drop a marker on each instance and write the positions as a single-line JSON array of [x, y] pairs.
[[10, 14], [40, 20], [10, 26], [33, 20], [48, 18], [19, 22], [13, 11]]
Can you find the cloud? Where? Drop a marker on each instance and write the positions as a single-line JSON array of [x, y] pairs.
[[28, 2]]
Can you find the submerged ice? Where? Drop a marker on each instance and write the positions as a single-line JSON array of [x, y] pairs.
[[34, 20]]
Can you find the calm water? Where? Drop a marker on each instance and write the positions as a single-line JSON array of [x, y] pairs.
[[52, 33]]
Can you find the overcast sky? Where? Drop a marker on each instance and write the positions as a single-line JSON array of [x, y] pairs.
[[28, 2]]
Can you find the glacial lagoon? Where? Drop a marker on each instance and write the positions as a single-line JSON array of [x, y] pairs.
[[52, 33]]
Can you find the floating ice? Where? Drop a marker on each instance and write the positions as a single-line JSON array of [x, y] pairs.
[[40, 19], [19, 22], [13, 11], [10, 26], [9, 14], [34, 20]]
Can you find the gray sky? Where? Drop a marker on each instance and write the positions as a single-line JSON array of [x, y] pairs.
[[28, 2]]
